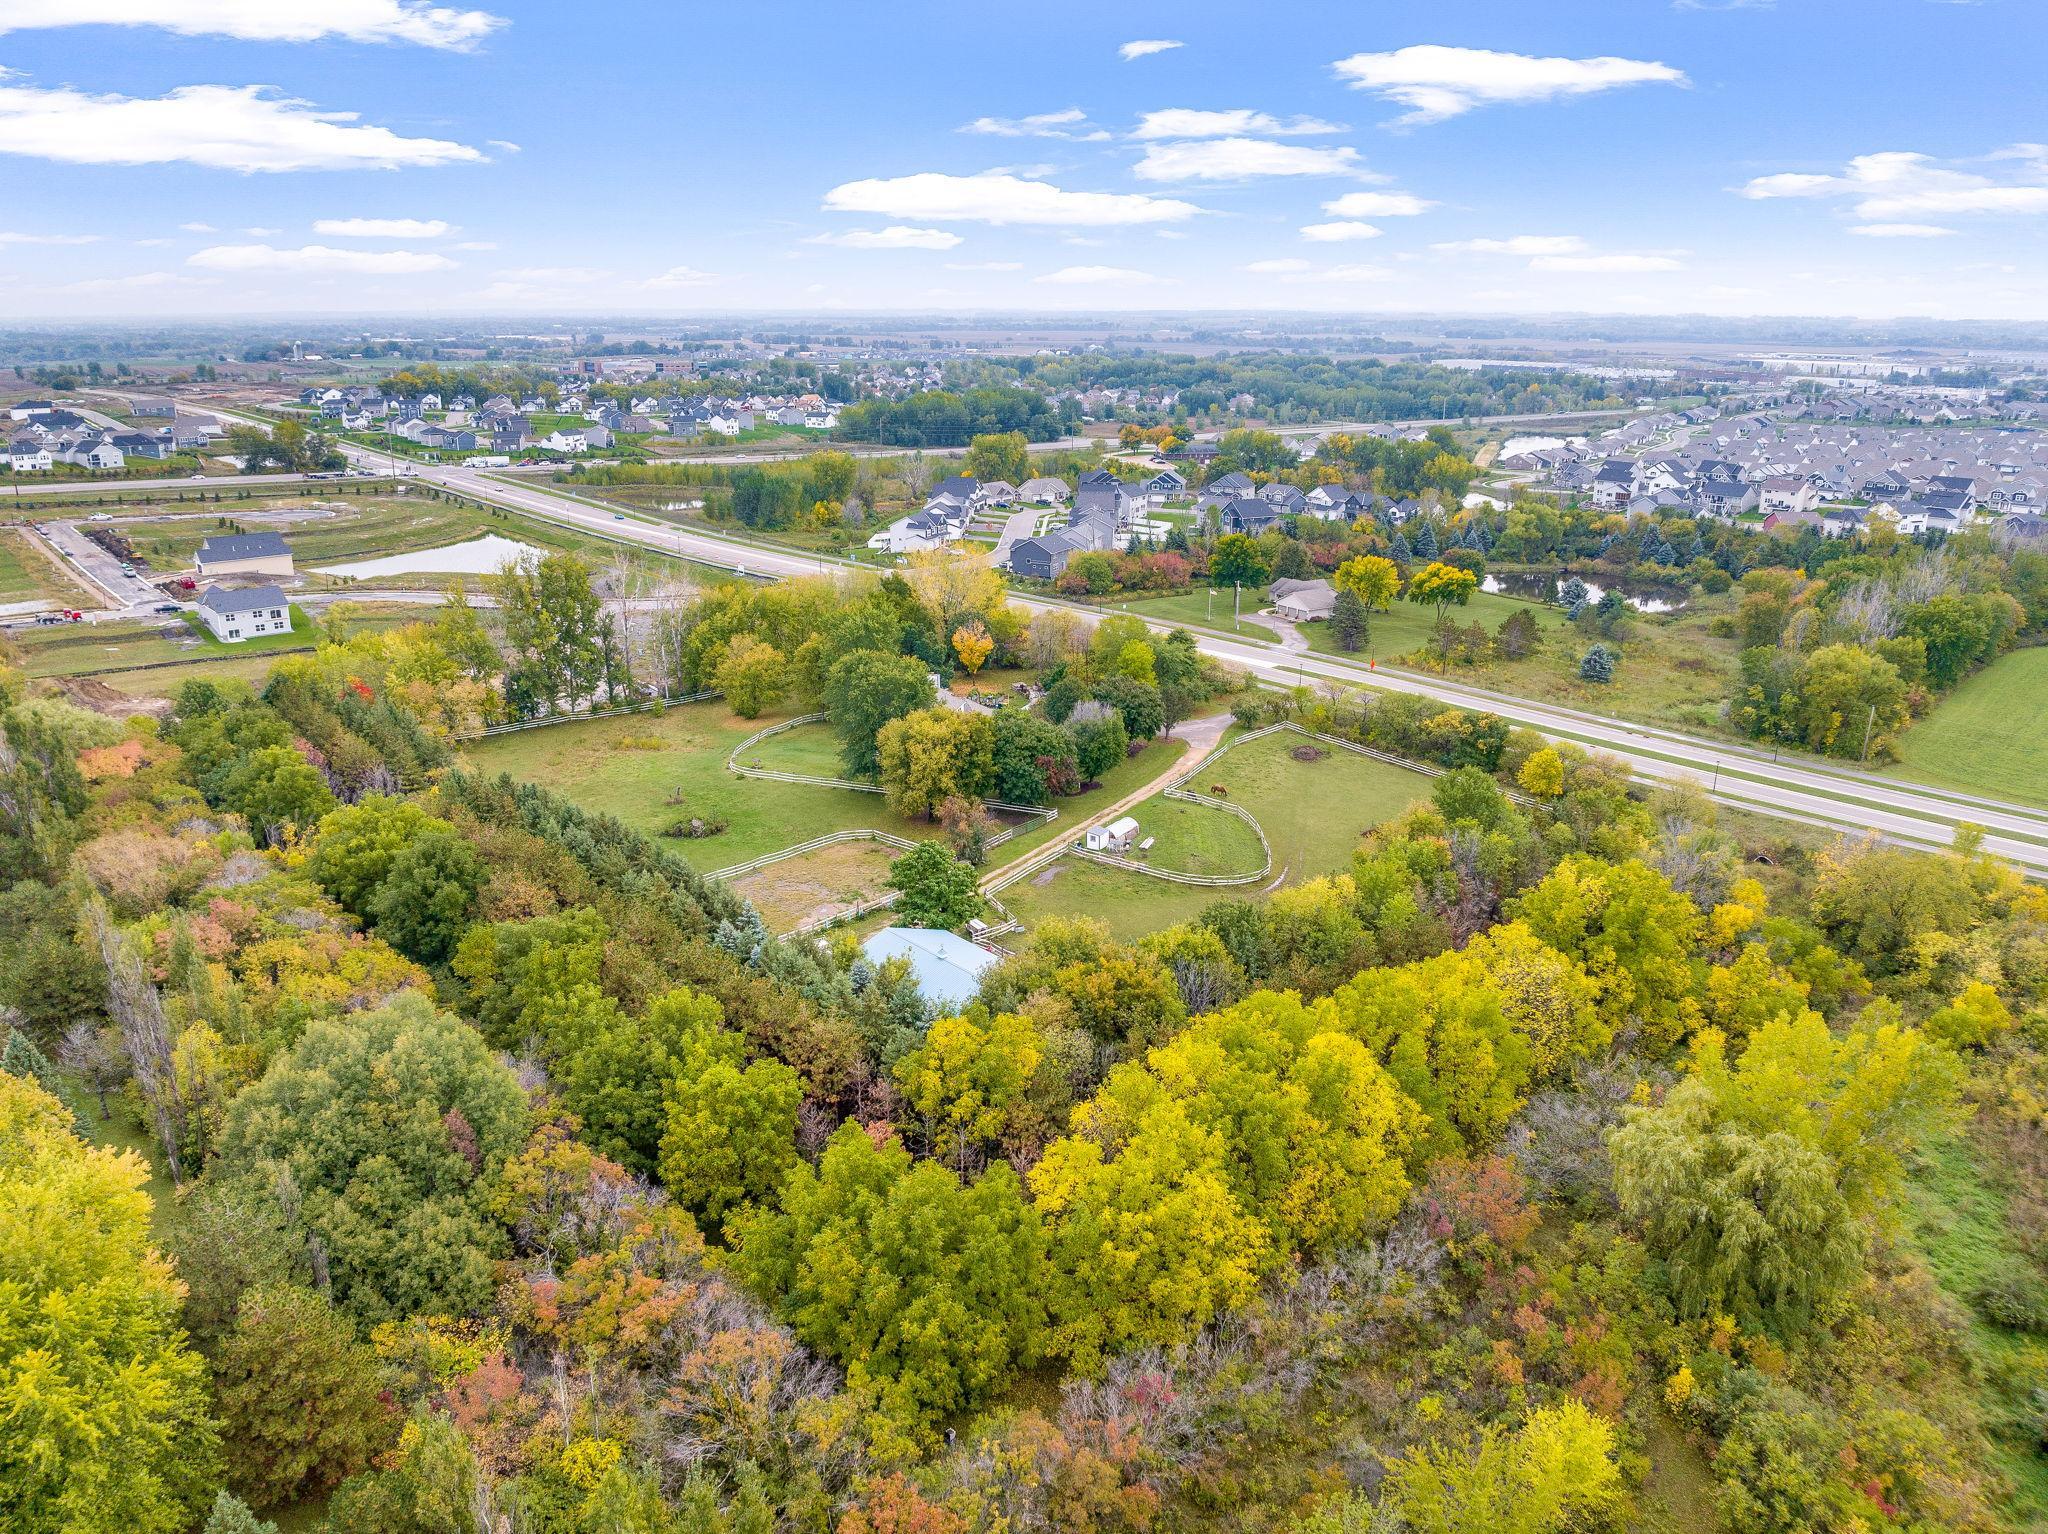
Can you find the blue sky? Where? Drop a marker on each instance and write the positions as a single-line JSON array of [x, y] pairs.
[[1857, 157]]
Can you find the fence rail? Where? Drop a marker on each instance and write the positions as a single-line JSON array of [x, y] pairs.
[[831, 839], [775, 775], [648, 706]]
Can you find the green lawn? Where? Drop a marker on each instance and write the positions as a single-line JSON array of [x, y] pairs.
[[1408, 626], [27, 572], [1313, 813], [304, 631], [1202, 607], [1989, 735], [629, 767]]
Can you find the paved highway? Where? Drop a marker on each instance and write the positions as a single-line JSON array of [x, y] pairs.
[[1738, 776]]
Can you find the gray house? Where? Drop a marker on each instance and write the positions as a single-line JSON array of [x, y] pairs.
[[1044, 557], [234, 616]]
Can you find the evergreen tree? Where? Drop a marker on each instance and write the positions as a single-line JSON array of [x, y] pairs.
[[1349, 623], [1404, 552], [1425, 543], [231, 1515], [22, 1058], [1597, 665]]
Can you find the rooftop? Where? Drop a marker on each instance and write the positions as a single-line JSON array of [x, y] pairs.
[[948, 968]]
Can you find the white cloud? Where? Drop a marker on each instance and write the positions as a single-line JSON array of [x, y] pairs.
[[1077, 276], [229, 127], [261, 233], [1611, 261], [1188, 122], [1436, 82], [1072, 123], [199, 228], [383, 228], [476, 245], [1901, 231], [681, 277], [984, 266], [1336, 233], [1900, 186], [317, 259], [1145, 47], [895, 237], [1377, 205], [1235, 159], [275, 21], [995, 197], [1516, 245], [135, 281], [1276, 267], [13, 237]]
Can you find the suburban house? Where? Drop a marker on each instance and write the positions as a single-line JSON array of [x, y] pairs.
[[227, 554], [1786, 494], [1043, 492], [927, 529], [564, 439], [25, 455], [244, 613], [1222, 491], [1251, 515], [97, 455], [1613, 486], [1723, 498], [1044, 557], [1166, 485], [1118, 836], [947, 968], [151, 404], [1303, 601], [997, 492]]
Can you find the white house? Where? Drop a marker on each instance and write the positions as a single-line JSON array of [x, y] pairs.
[[564, 440], [28, 456], [236, 615], [1303, 601], [226, 554], [1117, 836]]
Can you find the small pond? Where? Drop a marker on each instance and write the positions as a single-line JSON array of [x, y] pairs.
[[1537, 586], [475, 556]]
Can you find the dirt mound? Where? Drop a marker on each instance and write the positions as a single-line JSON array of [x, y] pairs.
[[90, 692]]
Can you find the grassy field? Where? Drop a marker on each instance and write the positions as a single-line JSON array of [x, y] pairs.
[[336, 530], [174, 650], [1673, 669], [1989, 735], [631, 768], [1130, 904], [25, 573], [1958, 1218], [1313, 814], [1201, 608]]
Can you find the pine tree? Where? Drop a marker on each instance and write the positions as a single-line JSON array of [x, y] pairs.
[[1348, 621], [1597, 665], [1404, 553], [231, 1515], [22, 1058], [1425, 541]]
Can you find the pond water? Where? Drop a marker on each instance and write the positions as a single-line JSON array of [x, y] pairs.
[[475, 556], [1539, 587]]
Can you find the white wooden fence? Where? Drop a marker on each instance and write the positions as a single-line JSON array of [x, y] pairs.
[[540, 721], [772, 775]]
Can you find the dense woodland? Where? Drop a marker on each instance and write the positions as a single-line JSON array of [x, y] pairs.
[[1563, 1165]]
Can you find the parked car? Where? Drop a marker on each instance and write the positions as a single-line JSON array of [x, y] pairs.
[[169, 607]]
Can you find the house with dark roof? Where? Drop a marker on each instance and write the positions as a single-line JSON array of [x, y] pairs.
[[226, 554], [1044, 557], [245, 612], [1249, 514]]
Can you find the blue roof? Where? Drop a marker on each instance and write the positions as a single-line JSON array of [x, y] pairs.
[[948, 968]]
